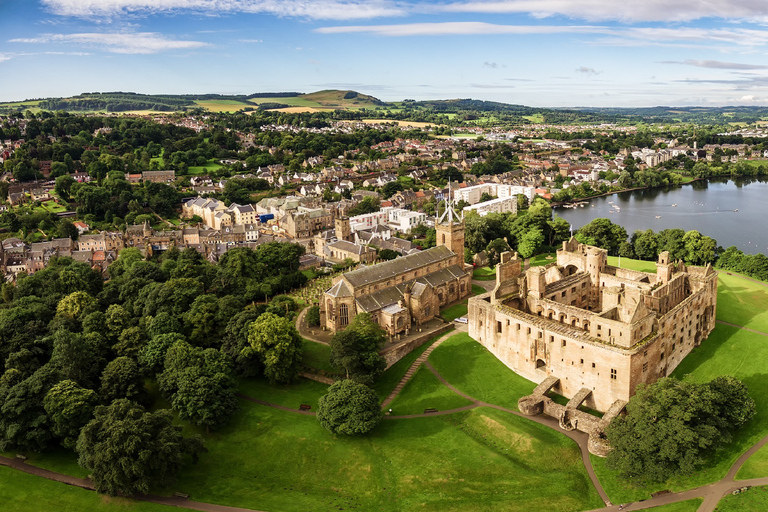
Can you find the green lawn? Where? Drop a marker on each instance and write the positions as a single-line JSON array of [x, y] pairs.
[[754, 500], [60, 460], [742, 302], [472, 369], [756, 466], [387, 382], [543, 259], [484, 273], [477, 290], [20, 492], [449, 314], [425, 391], [317, 355], [212, 165], [642, 266], [481, 460], [305, 391]]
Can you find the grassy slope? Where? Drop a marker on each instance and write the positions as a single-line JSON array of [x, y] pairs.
[[682, 506], [484, 273], [20, 492], [425, 391], [472, 369], [754, 500], [304, 391], [479, 460]]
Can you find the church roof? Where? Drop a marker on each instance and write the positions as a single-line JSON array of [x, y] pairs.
[[392, 268], [339, 290]]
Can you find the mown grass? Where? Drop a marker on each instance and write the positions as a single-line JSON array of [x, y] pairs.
[[425, 391], [304, 391], [480, 460], [469, 367], [753, 500], [387, 382], [543, 259], [212, 165], [451, 313], [742, 302], [484, 273], [318, 356], [21, 492], [680, 506]]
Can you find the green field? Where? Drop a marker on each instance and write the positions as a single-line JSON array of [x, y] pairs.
[[424, 391], [742, 302], [222, 105], [484, 273], [535, 118], [305, 391], [681, 506], [753, 500], [451, 313], [480, 460], [212, 165], [469, 367], [543, 259], [642, 266], [318, 356], [20, 492], [296, 101], [387, 382]]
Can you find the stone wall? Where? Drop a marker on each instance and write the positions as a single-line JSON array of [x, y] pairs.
[[398, 351]]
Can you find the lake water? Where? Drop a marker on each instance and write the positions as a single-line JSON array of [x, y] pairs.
[[706, 206]]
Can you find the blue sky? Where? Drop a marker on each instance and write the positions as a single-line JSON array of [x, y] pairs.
[[532, 52]]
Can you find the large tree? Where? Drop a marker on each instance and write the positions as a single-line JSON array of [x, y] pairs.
[[200, 384], [671, 427], [278, 344], [70, 407], [356, 349], [349, 408], [130, 451]]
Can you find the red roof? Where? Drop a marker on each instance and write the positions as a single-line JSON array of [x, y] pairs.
[[99, 256], [386, 203]]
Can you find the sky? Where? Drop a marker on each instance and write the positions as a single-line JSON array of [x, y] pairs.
[[547, 53]]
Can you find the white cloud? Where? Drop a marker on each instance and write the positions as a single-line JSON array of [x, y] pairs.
[[4, 57], [319, 9], [638, 11], [716, 64], [460, 28], [250, 41], [134, 43], [587, 71]]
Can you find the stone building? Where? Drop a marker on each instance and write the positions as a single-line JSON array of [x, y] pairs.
[[592, 330], [404, 292]]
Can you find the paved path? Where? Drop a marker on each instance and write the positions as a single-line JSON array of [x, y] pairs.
[[741, 327], [418, 362], [303, 328]]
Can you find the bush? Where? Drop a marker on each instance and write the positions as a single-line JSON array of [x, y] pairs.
[[313, 316]]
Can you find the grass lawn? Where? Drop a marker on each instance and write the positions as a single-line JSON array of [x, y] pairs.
[[305, 391], [317, 355], [742, 302], [449, 314], [425, 391], [472, 369], [756, 466], [20, 492], [212, 165], [484, 273], [387, 382], [642, 266], [60, 460], [543, 259], [222, 105], [53, 206], [477, 290], [754, 500], [480, 460]]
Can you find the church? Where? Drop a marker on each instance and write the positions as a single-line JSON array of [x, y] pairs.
[[404, 293]]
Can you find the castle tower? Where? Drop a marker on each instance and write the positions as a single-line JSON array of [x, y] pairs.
[[449, 229], [664, 268], [343, 231]]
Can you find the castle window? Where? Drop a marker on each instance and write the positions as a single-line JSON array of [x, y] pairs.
[[443, 238], [518, 327], [661, 358], [613, 373], [582, 361], [551, 339], [343, 315], [498, 327], [593, 365], [645, 367], [564, 343]]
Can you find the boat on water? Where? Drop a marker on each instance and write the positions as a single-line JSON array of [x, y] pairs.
[[658, 216], [674, 204], [736, 210]]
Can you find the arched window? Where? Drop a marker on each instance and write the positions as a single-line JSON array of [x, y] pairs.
[[443, 238], [329, 308], [343, 315]]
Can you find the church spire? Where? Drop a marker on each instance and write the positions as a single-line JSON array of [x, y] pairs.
[[450, 212]]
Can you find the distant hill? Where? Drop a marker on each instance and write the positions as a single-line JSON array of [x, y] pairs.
[[335, 98]]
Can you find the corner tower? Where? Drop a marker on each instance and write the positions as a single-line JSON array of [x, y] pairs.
[[449, 229], [343, 230]]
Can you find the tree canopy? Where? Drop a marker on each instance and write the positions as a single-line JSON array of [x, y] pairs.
[[349, 408], [356, 349]]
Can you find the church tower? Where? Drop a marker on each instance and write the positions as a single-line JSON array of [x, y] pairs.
[[343, 230], [449, 229]]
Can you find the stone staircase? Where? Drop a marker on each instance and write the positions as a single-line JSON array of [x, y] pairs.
[[413, 368]]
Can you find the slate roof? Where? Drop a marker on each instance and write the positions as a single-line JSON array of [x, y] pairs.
[[392, 268], [340, 289], [343, 245]]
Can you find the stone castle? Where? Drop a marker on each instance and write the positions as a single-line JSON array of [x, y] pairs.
[[590, 331]]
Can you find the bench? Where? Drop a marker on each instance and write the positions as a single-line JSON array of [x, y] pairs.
[[426, 411], [305, 407], [21, 457], [181, 495]]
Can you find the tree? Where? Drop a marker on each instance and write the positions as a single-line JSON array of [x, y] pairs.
[[349, 408], [671, 427], [356, 349], [246, 360], [494, 250], [129, 451], [122, 379], [200, 384], [76, 304], [278, 344], [313, 316], [70, 407], [388, 254], [530, 243], [602, 233], [152, 355], [24, 423]]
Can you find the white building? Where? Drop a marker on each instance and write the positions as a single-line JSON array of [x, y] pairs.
[[472, 194], [405, 220], [500, 205], [368, 220], [504, 191]]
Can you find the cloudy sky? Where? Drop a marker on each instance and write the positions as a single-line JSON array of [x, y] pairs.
[[532, 52]]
